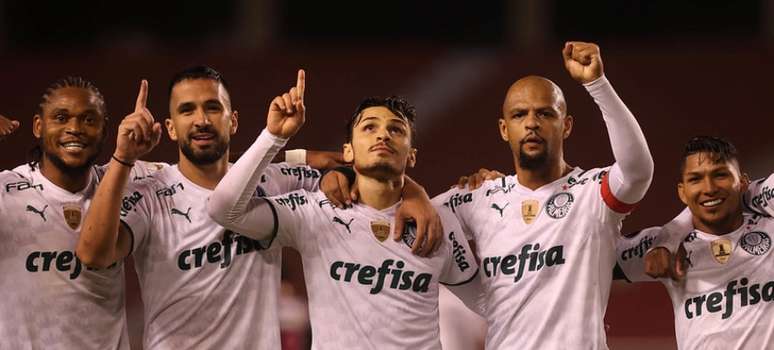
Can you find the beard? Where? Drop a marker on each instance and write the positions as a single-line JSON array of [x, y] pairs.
[[206, 156], [533, 162], [382, 171], [66, 169]]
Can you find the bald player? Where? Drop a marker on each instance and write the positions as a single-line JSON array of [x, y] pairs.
[[546, 236]]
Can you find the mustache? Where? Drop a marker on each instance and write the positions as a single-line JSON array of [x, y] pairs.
[[532, 137], [382, 144]]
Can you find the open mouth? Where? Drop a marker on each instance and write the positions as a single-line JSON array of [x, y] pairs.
[[533, 140], [73, 146], [712, 202], [203, 137]]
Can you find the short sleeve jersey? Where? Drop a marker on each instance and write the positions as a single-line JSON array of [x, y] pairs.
[[204, 286], [50, 299], [547, 257], [366, 290], [726, 300]]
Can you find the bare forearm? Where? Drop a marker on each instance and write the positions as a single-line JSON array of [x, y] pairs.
[[98, 241]]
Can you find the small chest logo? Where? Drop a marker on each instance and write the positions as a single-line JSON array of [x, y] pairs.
[[499, 209], [529, 210], [380, 229], [72, 215], [559, 205], [755, 243], [721, 250], [339, 221], [41, 212], [175, 211]]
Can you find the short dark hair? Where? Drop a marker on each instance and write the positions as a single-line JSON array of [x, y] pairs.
[[717, 149], [197, 72], [397, 105]]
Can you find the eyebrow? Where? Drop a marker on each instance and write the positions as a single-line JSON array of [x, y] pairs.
[[392, 119]]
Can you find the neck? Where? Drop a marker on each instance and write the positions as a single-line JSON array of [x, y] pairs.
[[207, 176], [720, 228], [73, 182], [553, 170], [379, 194]]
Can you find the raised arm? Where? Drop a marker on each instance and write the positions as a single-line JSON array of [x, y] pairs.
[[232, 204], [101, 242], [632, 172]]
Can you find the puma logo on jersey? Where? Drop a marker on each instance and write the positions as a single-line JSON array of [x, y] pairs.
[[41, 212], [175, 211], [63, 261], [337, 220], [364, 274], [639, 250], [21, 186], [129, 202], [691, 237], [499, 210], [458, 199], [292, 201], [716, 301], [531, 259], [218, 252]]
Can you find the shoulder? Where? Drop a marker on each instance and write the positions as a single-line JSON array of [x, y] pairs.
[[300, 199], [17, 180]]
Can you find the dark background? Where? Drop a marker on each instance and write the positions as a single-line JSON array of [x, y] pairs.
[[684, 68]]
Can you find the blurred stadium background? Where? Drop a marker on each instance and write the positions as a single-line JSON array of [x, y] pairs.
[[684, 68]]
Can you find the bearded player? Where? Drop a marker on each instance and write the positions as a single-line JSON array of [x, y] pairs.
[[546, 236], [365, 291]]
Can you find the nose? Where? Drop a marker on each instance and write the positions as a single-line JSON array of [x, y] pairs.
[[201, 118], [74, 126], [383, 134], [531, 121], [708, 186]]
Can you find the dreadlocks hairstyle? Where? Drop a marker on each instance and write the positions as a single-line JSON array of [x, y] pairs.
[[717, 150], [397, 105], [36, 153]]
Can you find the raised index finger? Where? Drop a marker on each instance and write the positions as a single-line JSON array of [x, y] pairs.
[[301, 84], [142, 96]]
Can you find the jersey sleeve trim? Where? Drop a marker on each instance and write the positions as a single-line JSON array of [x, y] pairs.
[[475, 275], [613, 203], [269, 241], [131, 237]]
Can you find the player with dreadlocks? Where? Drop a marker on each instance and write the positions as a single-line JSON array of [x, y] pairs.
[[50, 299]]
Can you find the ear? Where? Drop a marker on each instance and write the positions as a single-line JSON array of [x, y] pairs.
[[349, 154], [503, 126], [234, 122], [412, 158], [37, 125], [681, 193], [170, 129], [568, 123]]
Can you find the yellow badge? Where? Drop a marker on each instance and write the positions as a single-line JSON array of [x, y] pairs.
[[721, 250], [72, 215], [529, 210], [381, 230]]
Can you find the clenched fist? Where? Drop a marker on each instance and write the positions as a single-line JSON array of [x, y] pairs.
[[583, 61]]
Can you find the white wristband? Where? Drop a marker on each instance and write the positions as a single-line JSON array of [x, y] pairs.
[[295, 156]]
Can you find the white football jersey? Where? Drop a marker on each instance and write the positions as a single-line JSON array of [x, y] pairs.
[[759, 198], [726, 300], [204, 287], [366, 290], [547, 258], [50, 300]]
